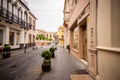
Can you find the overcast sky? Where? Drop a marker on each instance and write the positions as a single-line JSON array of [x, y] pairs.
[[48, 12]]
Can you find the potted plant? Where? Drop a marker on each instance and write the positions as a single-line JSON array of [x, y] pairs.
[[6, 52], [46, 65], [52, 50]]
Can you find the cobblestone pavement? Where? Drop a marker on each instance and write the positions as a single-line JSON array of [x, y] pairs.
[[26, 66]]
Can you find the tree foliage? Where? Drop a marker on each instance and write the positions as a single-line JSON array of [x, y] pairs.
[[42, 37]]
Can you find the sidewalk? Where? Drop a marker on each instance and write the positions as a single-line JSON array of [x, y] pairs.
[[64, 67]]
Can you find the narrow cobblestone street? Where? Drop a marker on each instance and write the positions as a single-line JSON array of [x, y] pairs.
[[27, 66]]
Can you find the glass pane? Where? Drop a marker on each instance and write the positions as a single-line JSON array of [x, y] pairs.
[[76, 38]]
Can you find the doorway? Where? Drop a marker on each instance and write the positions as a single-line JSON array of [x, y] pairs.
[[84, 40], [1, 36]]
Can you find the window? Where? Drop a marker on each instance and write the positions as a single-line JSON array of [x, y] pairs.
[[30, 21], [21, 16], [10, 9], [4, 7], [0, 3], [17, 38], [115, 29], [29, 38], [33, 25], [76, 38], [25, 19], [75, 1], [10, 6], [11, 38], [15, 13], [5, 4]]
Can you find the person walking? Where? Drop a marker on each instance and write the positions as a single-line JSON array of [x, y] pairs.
[[1, 48]]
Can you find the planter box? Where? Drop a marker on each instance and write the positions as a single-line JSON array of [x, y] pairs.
[[46, 67], [53, 55], [6, 55]]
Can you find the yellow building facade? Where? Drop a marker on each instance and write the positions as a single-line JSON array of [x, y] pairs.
[[60, 36]]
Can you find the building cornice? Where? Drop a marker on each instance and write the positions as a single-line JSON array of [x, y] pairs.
[[32, 15], [23, 4]]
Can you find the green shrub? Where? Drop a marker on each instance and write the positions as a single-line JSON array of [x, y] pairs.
[[52, 49], [46, 55], [6, 49]]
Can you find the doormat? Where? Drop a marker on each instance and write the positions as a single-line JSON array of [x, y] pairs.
[[80, 77], [81, 72]]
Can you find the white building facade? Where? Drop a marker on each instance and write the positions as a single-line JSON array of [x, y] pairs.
[[32, 30], [14, 23]]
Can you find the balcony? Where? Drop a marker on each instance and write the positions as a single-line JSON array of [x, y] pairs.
[[10, 17]]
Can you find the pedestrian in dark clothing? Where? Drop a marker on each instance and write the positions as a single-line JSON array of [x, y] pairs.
[[1, 48]]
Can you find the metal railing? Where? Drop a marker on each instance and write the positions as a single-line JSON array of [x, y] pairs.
[[11, 17]]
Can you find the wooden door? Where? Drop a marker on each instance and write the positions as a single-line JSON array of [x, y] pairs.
[[84, 42]]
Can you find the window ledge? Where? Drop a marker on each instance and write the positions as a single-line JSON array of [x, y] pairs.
[[113, 49]]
